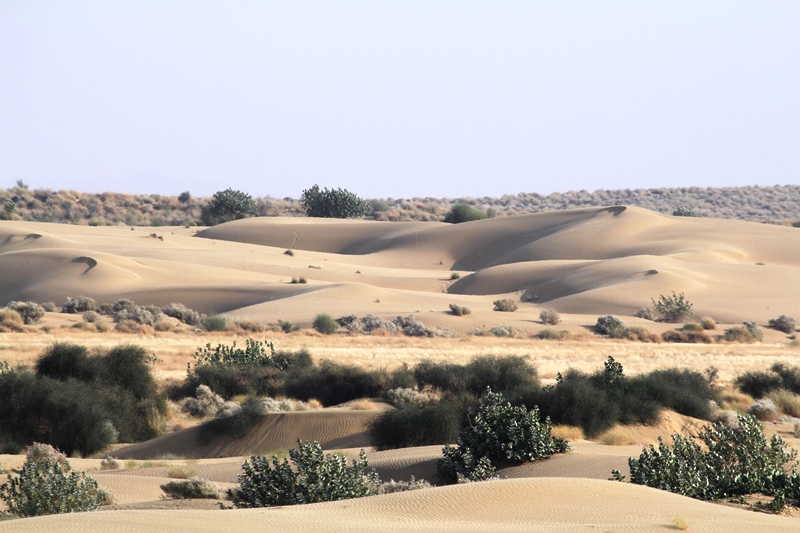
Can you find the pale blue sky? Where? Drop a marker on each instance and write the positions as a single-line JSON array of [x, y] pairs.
[[398, 99]]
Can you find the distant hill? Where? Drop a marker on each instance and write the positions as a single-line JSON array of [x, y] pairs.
[[779, 204]]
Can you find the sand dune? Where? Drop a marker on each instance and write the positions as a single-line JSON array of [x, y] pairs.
[[589, 261], [545, 504]]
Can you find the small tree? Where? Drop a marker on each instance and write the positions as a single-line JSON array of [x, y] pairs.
[[228, 205], [47, 487], [316, 477], [325, 324], [673, 308], [463, 213], [333, 203], [497, 431]]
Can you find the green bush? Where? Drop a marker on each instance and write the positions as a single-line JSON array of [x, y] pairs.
[[673, 308], [62, 361], [420, 423], [333, 383], [497, 432], [334, 203], [609, 325], [215, 323], [239, 424], [315, 478], [502, 374], [758, 384], [720, 462], [463, 213], [325, 324], [228, 205], [254, 354], [47, 487]]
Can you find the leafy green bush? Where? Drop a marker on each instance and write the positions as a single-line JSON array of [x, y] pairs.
[[31, 312], [463, 213], [720, 462], [47, 487], [420, 423], [196, 488], [334, 203], [333, 383], [253, 354], [759, 384], [315, 478], [324, 323], [550, 317], [239, 424], [228, 205], [673, 308], [497, 432], [783, 323]]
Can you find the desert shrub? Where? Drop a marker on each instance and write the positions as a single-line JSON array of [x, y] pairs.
[[501, 331], [316, 477], [764, 409], [505, 305], [240, 422], [228, 205], [673, 308], [497, 432], [10, 320], [459, 310], [127, 326], [549, 316], [636, 333], [333, 383], [182, 313], [412, 327], [790, 376], [754, 330], [719, 463], [110, 463], [463, 213], [50, 307], [609, 325], [205, 403], [419, 423], [402, 395], [738, 334], [255, 353], [79, 305], [91, 316], [48, 487], [62, 361], [645, 313], [392, 486], [502, 374], [214, 323], [682, 211], [184, 197], [31, 312], [123, 304], [333, 203], [287, 326], [691, 336], [194, 488], [324, 323], [455, 275], [39, 452], [549, 334], [758, 384], [783, 323], [708, 323]]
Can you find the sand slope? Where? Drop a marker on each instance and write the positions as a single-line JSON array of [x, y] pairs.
[[590, 261], [547, 504]]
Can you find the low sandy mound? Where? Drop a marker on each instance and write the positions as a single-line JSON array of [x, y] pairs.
[[551, 504], [332, 428]]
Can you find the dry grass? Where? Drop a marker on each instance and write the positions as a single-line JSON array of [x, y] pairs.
[[177, 472], [786, 401], [615, 436], [567, 432], [364, 405], [733, 400], [680, 523]]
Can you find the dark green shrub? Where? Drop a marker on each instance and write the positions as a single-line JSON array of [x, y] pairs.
[[497, 432], [673, 308], [47, 487], [463, 213], [255, 353], [237, 425], [416, 424], [325, 324], [334, 203], [758, 384], [502, 374], [315, 478], [719, 463], [682, 211], [783, 323], [62, 361], [332, 383], [215, 323], [609, 325], [184, 197], [228, 205]]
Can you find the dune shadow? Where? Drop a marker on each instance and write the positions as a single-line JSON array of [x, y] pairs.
[[87, 260]]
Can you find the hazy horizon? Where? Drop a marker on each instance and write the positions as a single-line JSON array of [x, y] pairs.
[[398, 99]]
